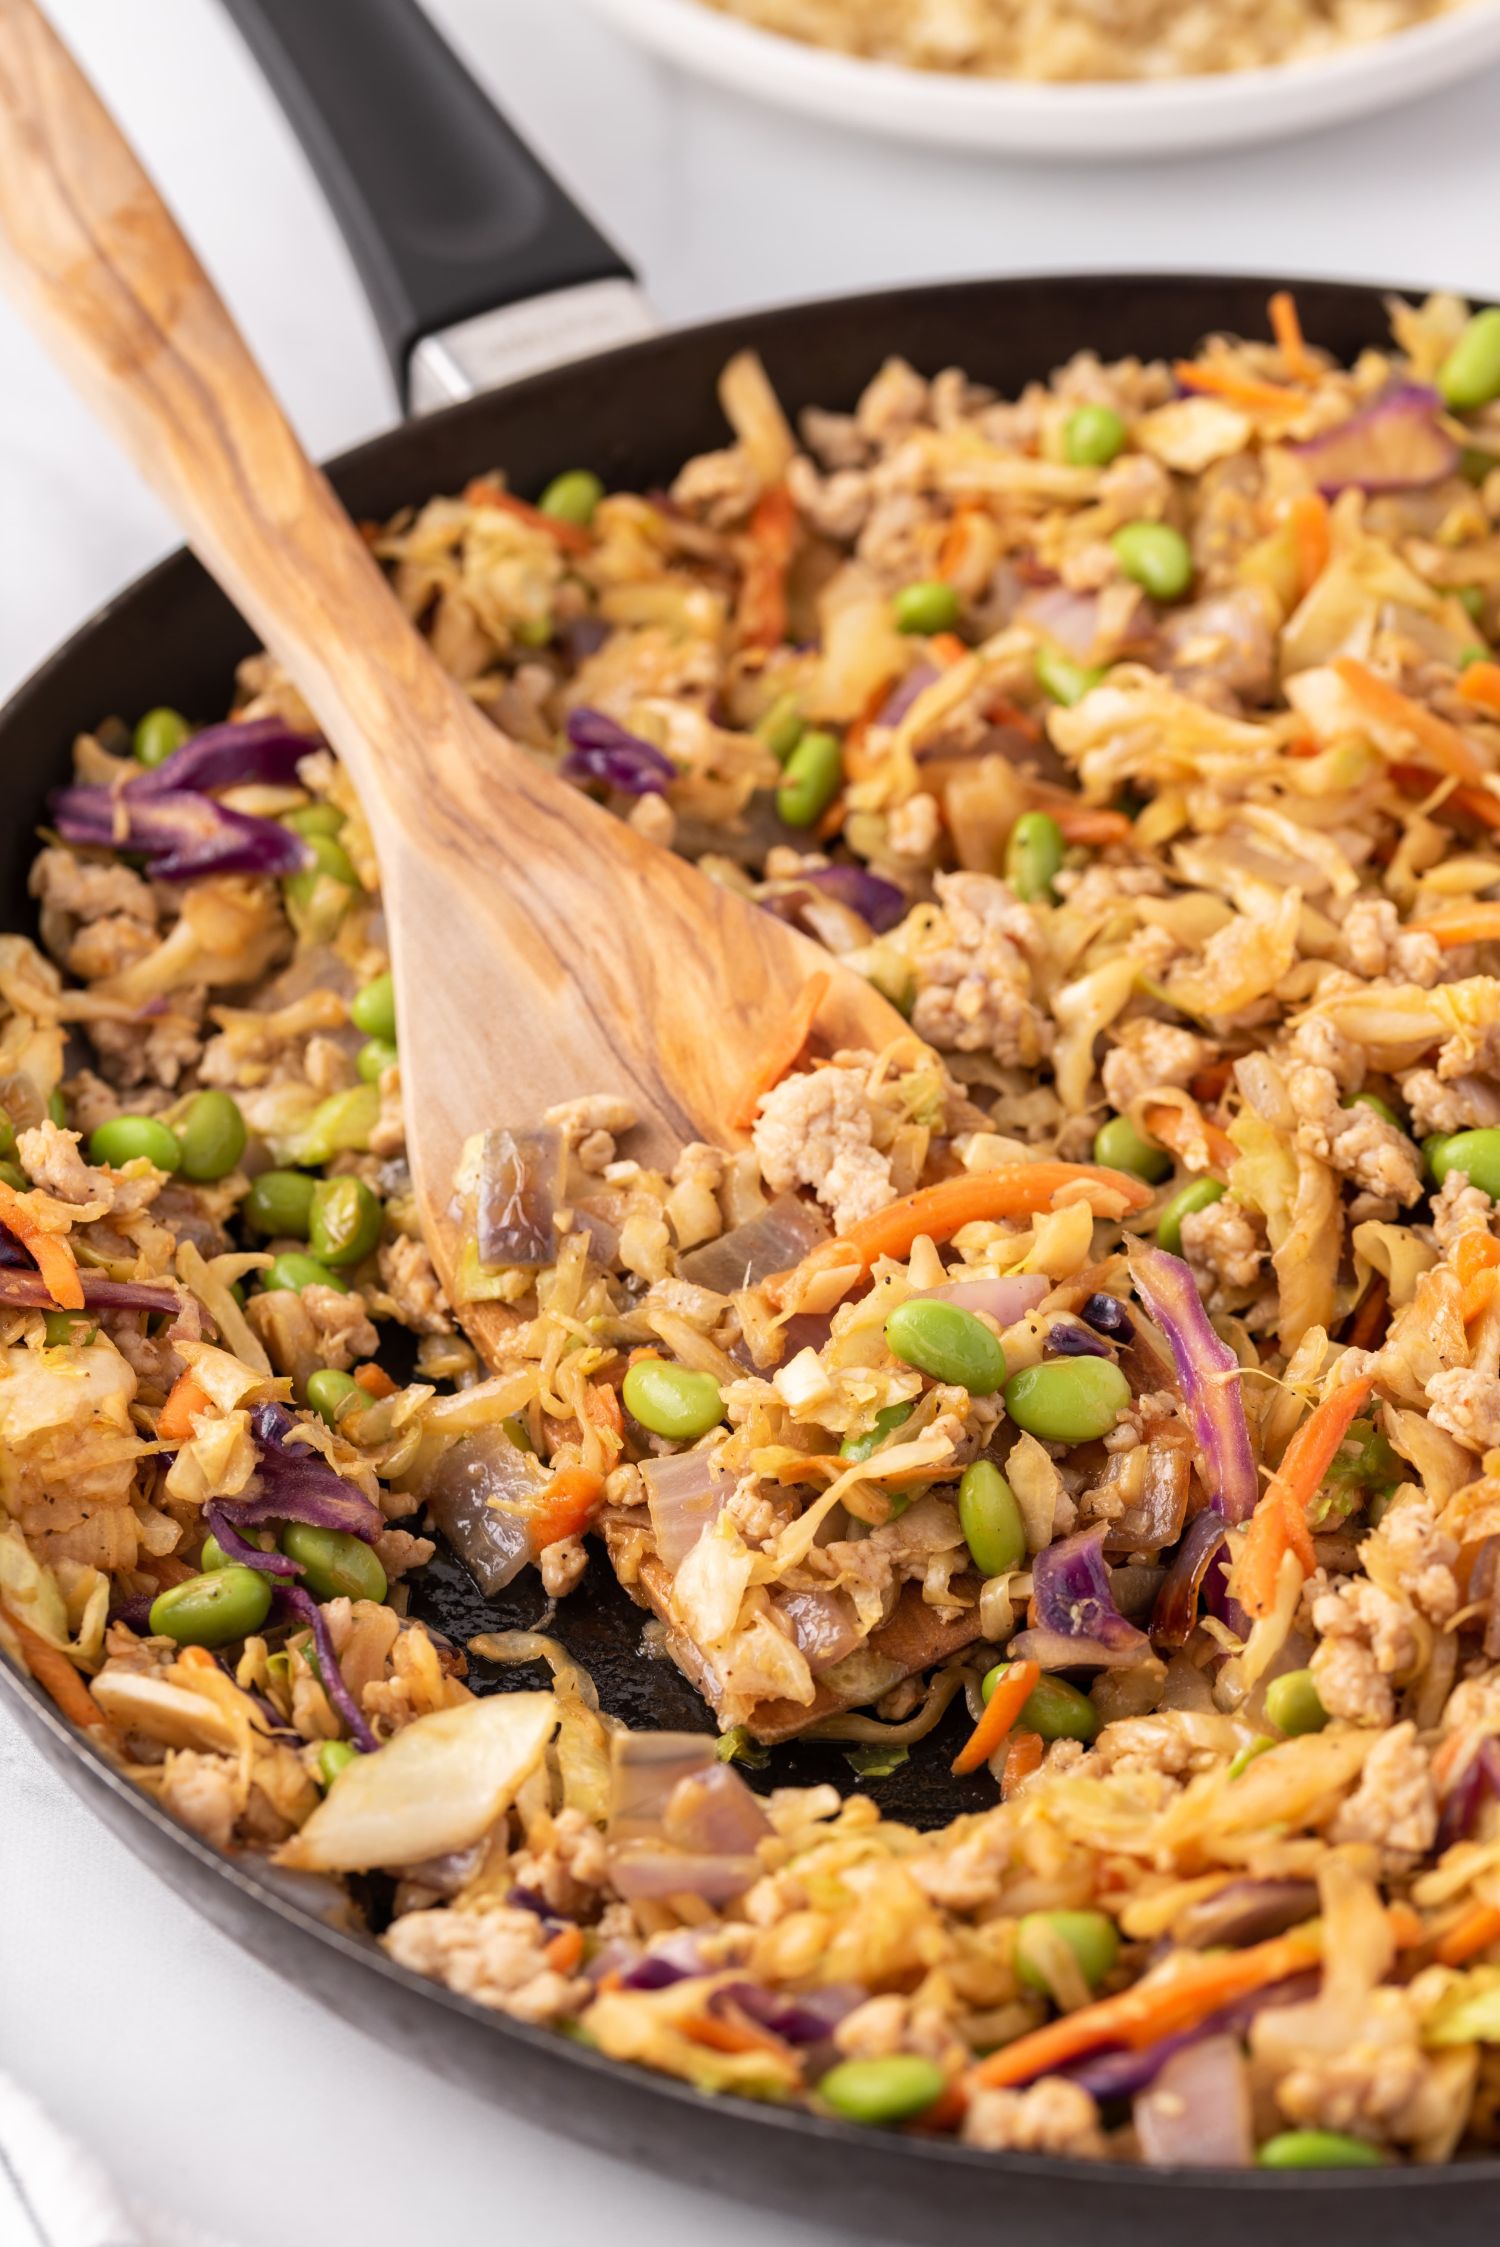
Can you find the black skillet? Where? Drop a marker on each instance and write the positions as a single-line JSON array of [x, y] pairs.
[[450, 218]]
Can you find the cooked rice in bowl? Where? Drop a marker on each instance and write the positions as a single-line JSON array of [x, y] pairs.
[[1114, 1355]]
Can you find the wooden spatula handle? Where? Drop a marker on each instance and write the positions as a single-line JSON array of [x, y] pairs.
[[98, 264]]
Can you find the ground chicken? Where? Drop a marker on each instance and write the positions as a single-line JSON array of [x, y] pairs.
[[1226, 1246], [408, 1277], [1379, 2087], [973, 983], [892, 404], [84, 890], [562, 1564], [889, 2024], [1459, 1208], [1368, 1638], [718, 488], [1049, 2116], [493, 1956], [344, 1332], [835, 439], [1465, 1401], [569, 1873], [836, 506], [816, 1130], [398, 1552], [1378, 948], [1357, 1143], [1457, 1104], [200, 1790], [1149, 1056], [1319, 1042], [1394, 1805], [915, 828], [1409, 1548], [171, 1046]]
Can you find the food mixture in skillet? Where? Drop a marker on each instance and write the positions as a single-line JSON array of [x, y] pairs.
[[1064, 40], [1117, 1353]]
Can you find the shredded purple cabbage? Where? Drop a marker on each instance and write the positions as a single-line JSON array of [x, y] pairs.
[[1397, 444], [264, 752], [30, 1291], [603, 752], [306, 1608], [1209, 1374], [1175, 1614], [294, 1483], [183, 836], [242, 1553], [1074, 1596], [1064, 1339], [875, 900], [1108, 1315], [1121, 2074]]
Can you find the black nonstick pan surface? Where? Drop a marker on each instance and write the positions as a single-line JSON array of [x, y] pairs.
[[635, 415]]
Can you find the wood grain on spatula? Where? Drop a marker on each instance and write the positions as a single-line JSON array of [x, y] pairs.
[[541, 949]]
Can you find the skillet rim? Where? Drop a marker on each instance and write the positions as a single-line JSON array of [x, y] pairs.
[[35, 1711]]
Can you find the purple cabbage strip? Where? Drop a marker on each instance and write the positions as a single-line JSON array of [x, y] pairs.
[[29, 1291], [303, 1605], [1175, 1615], [604, 752], [183, 836], [1108, 1315], [1210, 1377], [805, 2019], [1397, 444], [1072, 1586], [1121, 2074], [136, 1613], [1065, 1340], [242, 1554], [901, 697], [656, 1974], [12, 1254], [296, 1484], [264, 752], [875, 900]]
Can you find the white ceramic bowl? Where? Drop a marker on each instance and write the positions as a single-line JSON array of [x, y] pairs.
[[1145, 118]]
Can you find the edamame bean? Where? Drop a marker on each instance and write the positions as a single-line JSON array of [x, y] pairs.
[[212, 1137], [374, 1057], [1318, 2149], [672, 1400], [1471, 600], [1475, 1153], [1293, 1703], [314, 819], [330, 859], [1091, 1936], [1376, 1106], [7, 1137], [1470, 375], [211, 1610], [928, 606], [572, 497], [886, 1421], [947, 1343], [1119, 1146], [1034, 856], [1069, 1400], [1155, 557], [373, 1008], [157, 735], [125, 1138], [295, 1271], [1053, 1709], [214, 1556], [57, 1108], [1199, 1193], [15, 1177], [1060, 677], [334, 1756], [339, 1125], [335, 1564], [1093, 436], [344, 1221], [814, 775], [781, 728], [329, 1391], [990, 1519], [280, 1203], [891, 2089]]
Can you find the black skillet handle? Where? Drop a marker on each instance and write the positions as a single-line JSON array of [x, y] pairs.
[[447, 213]]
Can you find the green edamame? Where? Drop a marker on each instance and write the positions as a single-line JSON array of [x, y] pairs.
[[1060, 677], [813, 777], [1471, 600], [314, 819], [334, 1756], [928, 606], [373, 1008], [672, 1400], [891, 2089], [1376, 1106], [158, 734], [947, 1343], [226, 1604], [1093, 436], [344, 1220], [1034, 856], [212, 1137], [1069, 1400], [1156, 558], [1199, 1193], [374, 1057], [780, 729], [1053, 1709], [1470, 375], [328, 1391], [295, 1271], [1119, 1146], [1293, 1703], [1091, 1936], [125, 1139], [1318, 2149], [990, 1519], [335, 1564], [15, 1177], [1475, 1153], [280, 1203], [339, 1125], [885, 1423], [330, 860], [572, 497]]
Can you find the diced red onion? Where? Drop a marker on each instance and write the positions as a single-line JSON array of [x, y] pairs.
[[807, 2018], [645, 1767], [1176, 1613], [778, 1237], [824, 1625], [264, 751], [1196, 2115], [683, 1497], [680, 1822], [649, 1869], [1070, 620], [714, 1810], [607, 754], [1108, 1315], [1397, 444], [1074, 1599], [904, 693], [470, 1495], [1245, 1911], [1004, 1299], [878, 903], [1069, 1338], [1209, 1374], [520, 1184], [303, 1605]]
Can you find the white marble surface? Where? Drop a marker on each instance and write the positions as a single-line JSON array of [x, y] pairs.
[[144, 2030]]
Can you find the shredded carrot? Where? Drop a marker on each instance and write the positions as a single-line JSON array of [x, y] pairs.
[[1312, 540], [565, 1950], [783, 1051], [1013, 1689], [485, 492], [1022, 1757], [1279, 1522], [1286, 326], [186, 1399], [602, 1404], [946, 648], [1474, 924], [955, 546], [1150, 2010], [762, 612], [1210, 1082], [1480, 684], [55, 1673], [1475, 1260], [1368, 1323], [832, 821], [946, 2111], [1478, 1928], [1082, 823], [1446, 747], [374, 1380], [1176, 1130], [738, 2035], [55, 1259], [1001, 711], [568, 1504], [1237, 389]]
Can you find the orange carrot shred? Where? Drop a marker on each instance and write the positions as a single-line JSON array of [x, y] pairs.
[[739, 2035], [1237, 389], [1286, 326], [1097, 829], [762, 611], [186, 1399], [1311, 537], [567, 1506], [1022, 1757], [784, 1049], [947, 649], [565, 1950], [55, 1673], [55, 1259], [1279, 1523], [1475, 1932], [1175, 1129], [1480, 684], [1446, 747], [1013, 1689], [1473, 924], [485, 492], [374, 1380]]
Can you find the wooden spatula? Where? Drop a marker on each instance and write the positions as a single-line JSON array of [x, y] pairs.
[[542, 950]]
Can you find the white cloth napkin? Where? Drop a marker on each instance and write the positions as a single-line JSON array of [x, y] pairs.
[[54, 2194]]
